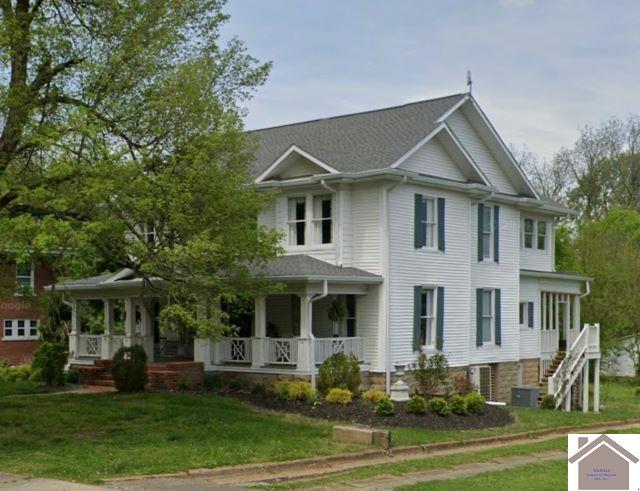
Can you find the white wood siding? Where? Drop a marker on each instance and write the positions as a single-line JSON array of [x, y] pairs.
[[480, 153], [504, 275], [530, 337], [366, 219], [433, 160], [268, 217], [368, 327], [410, 267], [538, 260]]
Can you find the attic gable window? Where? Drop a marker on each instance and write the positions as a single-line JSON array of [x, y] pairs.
[[297, 221]]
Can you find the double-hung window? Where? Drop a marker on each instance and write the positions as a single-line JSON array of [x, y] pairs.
[[542, 235], [487, 233], [428, 317], [322, 219], [297, 221], [20, 330], [534, 234], [24, 277], [487, 316], [430, 223], [528, 233]]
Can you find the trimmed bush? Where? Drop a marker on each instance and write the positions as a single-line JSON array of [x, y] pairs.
[[293, 390], [548, 402], [11, 373], [339, 396], [417, 405], [385, 407], [431, 372], [212, 381], [72, 376], [475, 402], [129, 369], [50, 359], [236, 384], [339, 372], [373, 396], [439, 406], [458, 405]]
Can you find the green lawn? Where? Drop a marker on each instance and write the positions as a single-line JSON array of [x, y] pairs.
[[546, 476], [22, 387], [91, 437]]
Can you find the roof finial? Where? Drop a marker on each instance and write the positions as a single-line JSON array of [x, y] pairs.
[[469, 81]]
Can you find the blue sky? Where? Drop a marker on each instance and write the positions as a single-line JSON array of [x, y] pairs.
[[541, 69]]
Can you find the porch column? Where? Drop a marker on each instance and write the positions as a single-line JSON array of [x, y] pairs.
[[146, 331], [76, 329], [258, 347], [596, 386], [130, 322], [107, 336], [305, 343], [585, 387]]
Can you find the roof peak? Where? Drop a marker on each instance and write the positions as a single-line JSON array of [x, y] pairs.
[[369, 111]]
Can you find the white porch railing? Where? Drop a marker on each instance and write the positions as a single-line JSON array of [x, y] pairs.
[[326, 347], [281, 351], [549, 341], [236, 350], [90, 345]]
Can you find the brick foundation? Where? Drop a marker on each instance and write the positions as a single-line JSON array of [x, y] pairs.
[[18, 352], [250, 379], [530, 371], [505, 377]]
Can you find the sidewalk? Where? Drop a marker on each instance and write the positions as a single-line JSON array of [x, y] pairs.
[[14, 482]]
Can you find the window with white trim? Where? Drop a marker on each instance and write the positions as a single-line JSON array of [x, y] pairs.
[[322, 219], [24, 277], [542, 235], [430, 222], [524, 314], [534, 234], [297, 221], [487, 232], [20, 330], [487, 316], [428, 317], [528, 233]]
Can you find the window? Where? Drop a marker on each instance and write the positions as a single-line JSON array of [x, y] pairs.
[[20, 329], [322, 220], [428, 317], [297, 221], [523, 313], [542, 235], [351, 315], [149, 233], [487, 316], [24, 276], [430, 222], [528, 233], [487, 232]]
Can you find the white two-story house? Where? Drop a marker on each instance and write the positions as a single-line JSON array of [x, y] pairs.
[[419, 221]]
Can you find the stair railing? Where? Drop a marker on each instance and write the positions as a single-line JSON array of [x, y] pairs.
[[559, 383]]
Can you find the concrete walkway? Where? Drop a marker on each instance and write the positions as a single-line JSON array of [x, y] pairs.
[[14, 482]]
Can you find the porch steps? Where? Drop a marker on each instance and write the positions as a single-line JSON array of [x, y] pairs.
[[555, 363]]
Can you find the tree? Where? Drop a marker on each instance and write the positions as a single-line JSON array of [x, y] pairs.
[[121, 115], [609, 251]]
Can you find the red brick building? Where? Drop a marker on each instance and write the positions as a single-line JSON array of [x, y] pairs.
[[19, 314]]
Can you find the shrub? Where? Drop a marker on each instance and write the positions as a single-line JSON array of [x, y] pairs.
[[385, 407], [431, 373], [236, 384], [462, 385], [50, 359], [339, 396], [439, 406], [72, 376], [339, 372], [638, 392], [475, 402], [258, 388], [312, 399], [212, 381], [293, 390], [458, 405], [11, 373], [373, 396], [129, 369], [548, 402], [182, 384], [417, 405]]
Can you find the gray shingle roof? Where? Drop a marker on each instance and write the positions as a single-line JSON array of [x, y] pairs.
[[355, 142], [303, 266], [90, 281]]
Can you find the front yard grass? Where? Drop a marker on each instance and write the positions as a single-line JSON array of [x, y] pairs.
[[23, 387]]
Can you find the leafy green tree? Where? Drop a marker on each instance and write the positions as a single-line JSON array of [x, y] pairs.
[[118, 115]]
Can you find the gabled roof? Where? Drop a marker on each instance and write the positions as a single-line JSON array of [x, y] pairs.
[[602, 440], [354, 142]]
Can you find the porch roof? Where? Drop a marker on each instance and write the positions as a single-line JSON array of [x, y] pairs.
[[554, 275], [298, 267]]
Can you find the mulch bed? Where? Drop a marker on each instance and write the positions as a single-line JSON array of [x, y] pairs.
[[362, 412]]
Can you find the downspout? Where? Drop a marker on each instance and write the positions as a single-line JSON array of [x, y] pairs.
[[339, 225], [385, 240], [325, 292], [588, 289]]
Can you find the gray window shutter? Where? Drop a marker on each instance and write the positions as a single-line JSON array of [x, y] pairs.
[[480, 229], [530, 316], [496, 234], [440, 319], [441, 224], [479, 317], [496, 294], [417, 301], [419, 230]]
